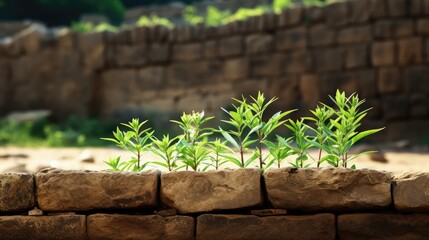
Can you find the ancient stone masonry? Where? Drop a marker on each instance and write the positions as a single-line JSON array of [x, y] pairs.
[[377, 48], [314, 203]]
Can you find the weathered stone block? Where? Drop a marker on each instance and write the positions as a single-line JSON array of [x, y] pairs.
[[338, 14], [423, 26], [383, 53], [43, 227], [259, 43], [316, 189], [410, 51], [397, 8], [377, 9], [389, 80], [388, 29], [360, 11], [231, 46], [362, 82], [357, 56], [298, 62], [191, 192], [416, 80], [131, 56], [236, 69], [321, 36], [59, 190], [286, 89], [309, 89], [383, 226], [119, 226], [151, 77], [159, 52], [290, 16], [410, 192], [187, 52], [267, 65], [210, 49], [277, 227], [291, 39], [190, 74], [16, 192], [362, 34], [93, 49], [328, 60]]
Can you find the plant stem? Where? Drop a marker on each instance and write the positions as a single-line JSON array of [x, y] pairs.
[[320, 156], [260, 150]]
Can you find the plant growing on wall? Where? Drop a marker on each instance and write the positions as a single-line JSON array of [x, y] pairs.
[[166, 149]]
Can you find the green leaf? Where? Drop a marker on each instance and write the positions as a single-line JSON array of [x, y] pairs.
[[364, 134]]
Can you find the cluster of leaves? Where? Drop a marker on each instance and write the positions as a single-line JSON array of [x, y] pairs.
[[333, 130]]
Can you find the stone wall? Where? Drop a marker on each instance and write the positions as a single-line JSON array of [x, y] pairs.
[[315, 203], [377, 48]]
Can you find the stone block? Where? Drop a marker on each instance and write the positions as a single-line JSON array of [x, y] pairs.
[[191, 74], [362, 82], [383, 226], [120, 226], [361, 34], [321, 36], [290, 17], [210, 49], [383, 53], [377, 9], [159, 53], [394, 107], [356, 56], [139, 35], [67, 39], [274, 227], [410, 51], [287, 90], [16, 192], [298, 62], [59, 190], [93, 49], [236, 69], [416, 8], [259, 43], [309, 89], [250, 87], [423, 26], [117, 38], [131, 56], [328, 60], [338, 14], [192, 192], [316, 189], [151, 77], [187, 52], [191, 102], [387, 29], [43, 227], [389, 80], [397, 8], [267, 65], [314, 14], [416, 80], [231, 46], [291, 39], [359, 11], [425, 6]]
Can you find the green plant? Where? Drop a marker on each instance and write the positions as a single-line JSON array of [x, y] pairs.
[[302, 142], [166, 149], [153, 21], [279, 152], [219, 153], [191, 17], [344, 131], [279, 5], [135, 140]]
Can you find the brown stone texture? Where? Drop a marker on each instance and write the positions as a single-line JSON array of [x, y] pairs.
[[383, 226], [377, 8], [409, 192], [338, 14], [187, 52], [383, 53], [130, 56], [16, 192], [259, 43], [43, 227], [191, 192], [151, 77], [410, 51], [397, 8], [309, 89], [389, 80], [119, 226], [423, 26], [415, 80], [59, 190], [400, 111], [324, 189], [361, 34], [159, 53], [356, 56], [319, 226], [298, 62], [328, 60], [236, 69], [321, 36], [210, 49], [393, 28], [290, 17], [291, 39], [231, 46], [93, 47], [264, 66]]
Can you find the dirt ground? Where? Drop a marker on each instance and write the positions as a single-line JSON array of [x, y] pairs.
[[14, 159]]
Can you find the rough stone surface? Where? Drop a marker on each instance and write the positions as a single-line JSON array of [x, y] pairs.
[[191, 192], [231, 46], [291, 39], [410, 192], [383, 226], [276, 227], [383, 53], [16, 192], [410, 51], [259, 43], [42, 227], [59, 190], [389, 80], [319, 189], [118, 226]]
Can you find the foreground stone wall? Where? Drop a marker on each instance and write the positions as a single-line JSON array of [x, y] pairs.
[[377, 48], [232, 204]]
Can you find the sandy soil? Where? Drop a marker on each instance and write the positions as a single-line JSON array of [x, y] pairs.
[[33, 159]]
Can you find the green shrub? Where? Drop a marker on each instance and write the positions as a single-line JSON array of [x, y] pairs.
[[153, 21]]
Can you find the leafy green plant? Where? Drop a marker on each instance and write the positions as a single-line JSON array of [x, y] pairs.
[[219, 153], [279, 152], [302, 142], [344, 131], [154, 20], [135, 140], [166, 149]]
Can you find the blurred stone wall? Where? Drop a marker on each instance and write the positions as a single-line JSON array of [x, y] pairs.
[[377, 48]]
